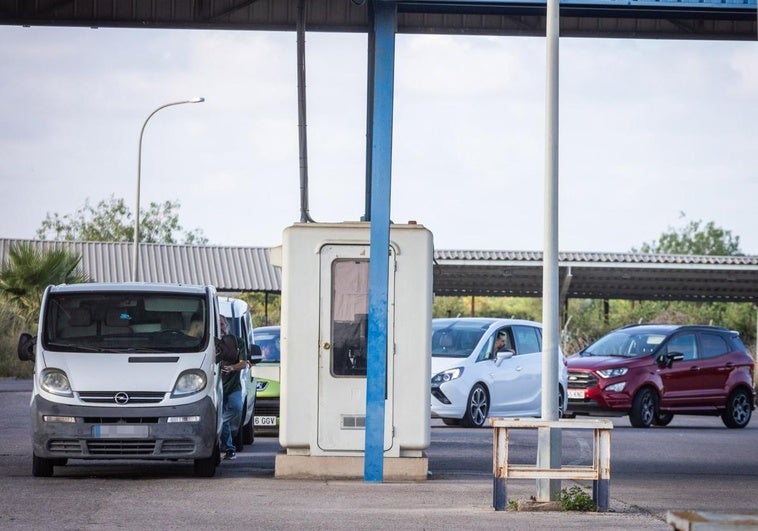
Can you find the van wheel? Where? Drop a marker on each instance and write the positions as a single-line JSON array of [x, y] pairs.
[[477, 408], [738, 410], [644, 406], [41, 467], [663, 419], [206, 467]]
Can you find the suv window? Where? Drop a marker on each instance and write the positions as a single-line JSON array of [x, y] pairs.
[[684, 343], [713, 345], [527, 339]]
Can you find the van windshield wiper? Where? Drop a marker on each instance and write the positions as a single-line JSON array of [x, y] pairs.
[[76, 346]]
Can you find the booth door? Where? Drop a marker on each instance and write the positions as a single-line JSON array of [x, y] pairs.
[[343, 349]]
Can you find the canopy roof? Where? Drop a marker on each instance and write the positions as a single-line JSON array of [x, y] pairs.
[[480, 273]]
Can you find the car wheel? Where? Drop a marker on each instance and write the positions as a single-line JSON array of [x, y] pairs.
[[644, 406], [452, 422], [41, 466], [738, 410], [477, 408], [663, 419], [561, 402], [206, 467]]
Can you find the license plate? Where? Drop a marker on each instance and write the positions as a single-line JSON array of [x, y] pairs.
[[264, 421], [120, 431], [576, 393]]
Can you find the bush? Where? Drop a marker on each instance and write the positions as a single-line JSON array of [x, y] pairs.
[[11, 325]]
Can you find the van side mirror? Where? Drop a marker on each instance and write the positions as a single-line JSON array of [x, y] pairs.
[[227, 349], [255, 354], [26, 343]]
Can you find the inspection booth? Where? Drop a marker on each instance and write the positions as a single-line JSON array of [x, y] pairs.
[[324, 325]]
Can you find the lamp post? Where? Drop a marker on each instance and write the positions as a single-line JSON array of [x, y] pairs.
[[135, 253]]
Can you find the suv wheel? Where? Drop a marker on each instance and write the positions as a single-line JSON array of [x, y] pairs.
[[738, 410], [644, 407], [478, 407], [663, 419]]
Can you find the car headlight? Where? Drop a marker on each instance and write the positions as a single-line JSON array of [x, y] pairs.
[[446, 376], [56, 382], [613, 373], [189, 383]]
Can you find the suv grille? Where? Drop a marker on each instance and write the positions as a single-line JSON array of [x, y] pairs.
[[581, 380]]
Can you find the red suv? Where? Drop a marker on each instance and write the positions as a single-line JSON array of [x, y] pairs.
[[651, 372]]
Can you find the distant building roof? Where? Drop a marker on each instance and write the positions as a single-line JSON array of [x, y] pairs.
[[456, 272], [230, 269]]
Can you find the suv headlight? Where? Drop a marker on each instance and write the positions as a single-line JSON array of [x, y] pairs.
[[189, 383], [56, 382], [446, 376], [613, 373]]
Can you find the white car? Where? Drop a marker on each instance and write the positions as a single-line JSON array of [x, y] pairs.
[[470, 382]]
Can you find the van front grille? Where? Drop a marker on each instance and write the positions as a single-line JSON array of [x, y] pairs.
[[118, 397]]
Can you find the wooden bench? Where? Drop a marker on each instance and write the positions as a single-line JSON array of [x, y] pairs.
[[599, 472]]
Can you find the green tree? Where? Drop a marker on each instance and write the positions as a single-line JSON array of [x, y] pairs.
[[112, 221], [695, 237], [589, 320], [29, 271], [266, 309]]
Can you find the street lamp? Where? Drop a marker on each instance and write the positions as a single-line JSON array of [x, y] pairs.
[[135, 253]]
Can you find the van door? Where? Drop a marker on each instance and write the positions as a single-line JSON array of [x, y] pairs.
[[343, 349]]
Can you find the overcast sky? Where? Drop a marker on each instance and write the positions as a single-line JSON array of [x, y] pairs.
[[649, 130]]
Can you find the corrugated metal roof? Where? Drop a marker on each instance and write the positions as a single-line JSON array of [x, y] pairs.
[[599, 275], [230, 269], [456, 272], [663, 19]]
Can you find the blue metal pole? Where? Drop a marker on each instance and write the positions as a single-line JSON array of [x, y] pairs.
[[381, 166]]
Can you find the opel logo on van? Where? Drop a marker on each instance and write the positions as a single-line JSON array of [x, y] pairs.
[[121, 398]]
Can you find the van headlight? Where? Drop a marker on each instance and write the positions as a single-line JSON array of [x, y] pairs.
[[189, 382], [612, 373], [446, 376], [56, 382]]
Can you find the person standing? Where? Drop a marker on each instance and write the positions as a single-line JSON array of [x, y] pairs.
[[232, 408]]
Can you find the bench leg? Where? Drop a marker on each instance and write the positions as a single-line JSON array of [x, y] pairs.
[[601, 494], [499, 494]]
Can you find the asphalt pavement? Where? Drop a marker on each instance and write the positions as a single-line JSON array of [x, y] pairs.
[[460, 503]]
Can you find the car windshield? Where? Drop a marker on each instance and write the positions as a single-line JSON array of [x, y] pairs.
[[269, 343], [625, 344], [125, 322], [456, 339]]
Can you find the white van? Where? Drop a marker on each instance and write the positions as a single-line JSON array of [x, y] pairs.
[[240, 320], [127, 371]]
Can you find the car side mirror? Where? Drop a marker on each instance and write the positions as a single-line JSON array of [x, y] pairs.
[[670, 357], [227, 349], [26, 344], [504, 355], [255, 354]]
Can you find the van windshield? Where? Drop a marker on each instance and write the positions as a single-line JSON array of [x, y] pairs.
[[125, 322]]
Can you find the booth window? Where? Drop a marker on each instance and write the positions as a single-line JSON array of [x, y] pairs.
[[349, 319]]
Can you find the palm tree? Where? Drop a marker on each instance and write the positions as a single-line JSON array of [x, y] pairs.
[[29, 271]]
